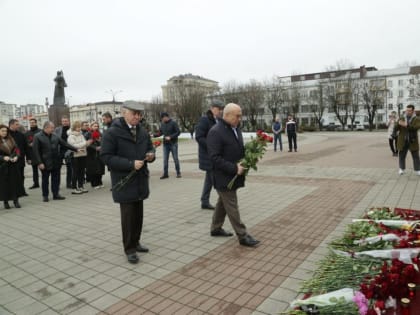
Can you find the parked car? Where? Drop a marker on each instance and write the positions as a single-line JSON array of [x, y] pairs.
[[356, 126], [332, 127]]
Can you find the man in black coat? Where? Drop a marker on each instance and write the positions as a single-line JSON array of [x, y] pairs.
[[291, 129], [202, 129], [30, 135], [20, 140], [170, 131], [126, 148], [46, 155], [225, 146], [61, 132]]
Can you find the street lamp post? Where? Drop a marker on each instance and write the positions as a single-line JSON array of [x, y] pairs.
[[113, 93]]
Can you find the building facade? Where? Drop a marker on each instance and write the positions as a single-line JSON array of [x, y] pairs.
[[7, 112], [186, 83]]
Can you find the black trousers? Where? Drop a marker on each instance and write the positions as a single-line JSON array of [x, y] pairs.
[[35, 175], [95, 180], [55, 181], [131, 224], [393, 145], [291, 136], [78, 172]]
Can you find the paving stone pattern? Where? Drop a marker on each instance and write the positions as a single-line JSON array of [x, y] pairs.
[[65, 257]]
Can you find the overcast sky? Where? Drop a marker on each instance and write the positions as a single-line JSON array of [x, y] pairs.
[[135, 46]]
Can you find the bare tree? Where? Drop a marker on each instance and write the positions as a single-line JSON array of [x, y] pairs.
[[336, 103], [189, 105], [295, 98], [317, 103], [230, 92], [251, 98], [153, 111], [275, 95], [353, 99], [372, 97]]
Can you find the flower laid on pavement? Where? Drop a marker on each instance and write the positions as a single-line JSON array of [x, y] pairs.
[[378, 257], [254, 151]]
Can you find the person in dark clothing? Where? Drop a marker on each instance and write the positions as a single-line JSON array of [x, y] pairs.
[[10, 184], [85, 130], [291, 130], [29, 135], [46, 155], [106, 120], [20, 141], [202, 129], [95, 167], [127, 148], [225, 147], [62, 133], [170, 131], [407, 127], [276, 128]]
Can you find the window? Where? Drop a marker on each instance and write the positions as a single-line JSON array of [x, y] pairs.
[[411, 81], [390, 106], [400, 93], [411, 93], [389, 83], [390, 94], [400, 82]]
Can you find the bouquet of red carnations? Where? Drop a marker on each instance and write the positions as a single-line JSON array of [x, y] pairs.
[[254, 151]]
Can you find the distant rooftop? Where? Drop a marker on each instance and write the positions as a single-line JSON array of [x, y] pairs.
[[190, 76]]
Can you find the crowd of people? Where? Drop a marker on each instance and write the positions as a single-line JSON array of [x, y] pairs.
[[126, 148]]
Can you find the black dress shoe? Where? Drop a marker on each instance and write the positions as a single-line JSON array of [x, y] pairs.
[[25, 194], [133, 258], [45, 199], [142, 249], [220, 232], [164, 176], [34, 186], [209, 207], [6, 205], [248, 240], [17, 204], [59, 197], [178, 175]]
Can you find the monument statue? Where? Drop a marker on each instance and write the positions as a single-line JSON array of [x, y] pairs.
[[60, 84], [58, 109]]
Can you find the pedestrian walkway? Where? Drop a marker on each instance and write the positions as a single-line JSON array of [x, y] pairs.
[[66, 257]]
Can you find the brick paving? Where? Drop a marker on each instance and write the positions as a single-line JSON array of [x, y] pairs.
[[65, 257]]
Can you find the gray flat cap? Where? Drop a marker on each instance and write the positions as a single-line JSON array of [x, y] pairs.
[[133, 105], [217, 103]]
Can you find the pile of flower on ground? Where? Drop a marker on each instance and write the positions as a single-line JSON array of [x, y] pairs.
[[372, 268]]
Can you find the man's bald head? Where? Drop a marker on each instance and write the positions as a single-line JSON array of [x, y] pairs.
[[232, 114]]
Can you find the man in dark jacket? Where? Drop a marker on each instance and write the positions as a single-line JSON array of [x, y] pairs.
[[30, 135], [408, 126], [291, 129], [225, 146], [20, 140], [46, 155], [170, 131], [204, 125], [61, 132], [126, 148]]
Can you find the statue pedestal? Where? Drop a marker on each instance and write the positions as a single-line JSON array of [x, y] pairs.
[[55, 112]]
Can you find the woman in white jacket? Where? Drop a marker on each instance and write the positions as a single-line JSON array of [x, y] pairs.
[[78, 162]]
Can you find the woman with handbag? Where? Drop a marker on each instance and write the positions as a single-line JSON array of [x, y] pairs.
[[78, 162], [11, 187]]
